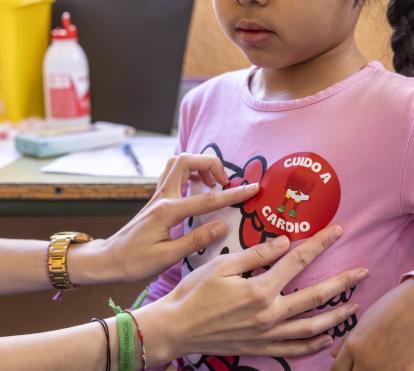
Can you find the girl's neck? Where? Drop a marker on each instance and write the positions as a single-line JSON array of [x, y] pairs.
[[309, 77]]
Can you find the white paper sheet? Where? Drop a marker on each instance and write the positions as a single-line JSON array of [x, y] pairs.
[[8, 153], [152, 152]]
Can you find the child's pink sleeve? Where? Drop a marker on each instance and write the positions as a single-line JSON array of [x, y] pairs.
[[407, 187], [165, 283]]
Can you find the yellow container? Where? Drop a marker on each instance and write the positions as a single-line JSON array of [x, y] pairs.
[[24, 37]]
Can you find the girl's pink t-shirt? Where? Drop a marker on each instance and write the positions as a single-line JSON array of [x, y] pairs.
[[344, 155]]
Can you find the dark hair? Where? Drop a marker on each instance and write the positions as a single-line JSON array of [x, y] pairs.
[[400, 14]]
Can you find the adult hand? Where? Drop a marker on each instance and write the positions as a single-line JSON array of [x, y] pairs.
[[216, 311], [144, 247], [384, 335]]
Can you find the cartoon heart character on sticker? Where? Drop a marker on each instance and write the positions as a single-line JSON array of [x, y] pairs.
[[298, 189]]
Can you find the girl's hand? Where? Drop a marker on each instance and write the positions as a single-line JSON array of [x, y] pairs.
[[144, 248], [213, 310], [384, 336]]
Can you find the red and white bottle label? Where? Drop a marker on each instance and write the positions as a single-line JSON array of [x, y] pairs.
[[68, 96]]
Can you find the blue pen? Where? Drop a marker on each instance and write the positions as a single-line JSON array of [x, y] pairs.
[[131, 155]]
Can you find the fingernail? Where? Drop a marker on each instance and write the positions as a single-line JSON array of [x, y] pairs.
[[226, 178], [362, 274], [218, 230], [327, 342], [252, 187], [280, 242], [337, 232], [353, 308]]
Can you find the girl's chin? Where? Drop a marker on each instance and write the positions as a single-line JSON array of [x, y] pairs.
[[266, 61], [274, 60]]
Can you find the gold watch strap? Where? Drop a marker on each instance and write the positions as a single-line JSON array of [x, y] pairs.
[[57, 257]]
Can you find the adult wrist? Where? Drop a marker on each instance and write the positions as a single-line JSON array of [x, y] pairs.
[[89, 263], [159, 329]]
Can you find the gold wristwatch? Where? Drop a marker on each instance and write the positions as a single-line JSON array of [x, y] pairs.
[[56, 259]]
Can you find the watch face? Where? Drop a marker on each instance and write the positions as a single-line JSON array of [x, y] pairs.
[[73, 236], [82, 237]]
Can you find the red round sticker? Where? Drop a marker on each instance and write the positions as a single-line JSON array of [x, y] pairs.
[[299, 196]]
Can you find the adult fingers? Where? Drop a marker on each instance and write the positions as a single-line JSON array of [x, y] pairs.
[[196, 240], [195, 177], [205, 203], [256, 257], [314, 296], [166, 171], [299, 258], [293, 348], [304, 328], [344, 361], [207, 178], [188, 163]]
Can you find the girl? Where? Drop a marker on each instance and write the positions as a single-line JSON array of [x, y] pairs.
[[329, 137]]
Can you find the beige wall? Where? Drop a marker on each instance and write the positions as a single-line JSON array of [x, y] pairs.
[[209, 52]]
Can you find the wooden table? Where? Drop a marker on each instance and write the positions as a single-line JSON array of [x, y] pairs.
[[23, 185]]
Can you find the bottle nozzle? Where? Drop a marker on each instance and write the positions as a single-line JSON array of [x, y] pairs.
[[66, 20], [68, 30]]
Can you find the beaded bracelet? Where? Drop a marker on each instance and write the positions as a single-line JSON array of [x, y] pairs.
[[141, 339], [108, 344]]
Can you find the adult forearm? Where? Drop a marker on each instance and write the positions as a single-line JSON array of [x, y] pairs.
[[84, 347], [23, 265], [77, 348]]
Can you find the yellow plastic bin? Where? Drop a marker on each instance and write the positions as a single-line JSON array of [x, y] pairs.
[[24, 37]]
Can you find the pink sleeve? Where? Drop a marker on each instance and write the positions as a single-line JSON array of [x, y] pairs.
[[188, 113], [165, 283], [407, 181], [407, 187]]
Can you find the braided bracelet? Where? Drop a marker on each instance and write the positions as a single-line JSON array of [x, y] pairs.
[[141, 339], [108, 344]]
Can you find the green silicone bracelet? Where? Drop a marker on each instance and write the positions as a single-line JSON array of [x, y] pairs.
[[126, 335], [140, 299]]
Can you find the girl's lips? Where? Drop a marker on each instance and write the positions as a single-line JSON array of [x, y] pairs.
[[254, 37], [252, 32]]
